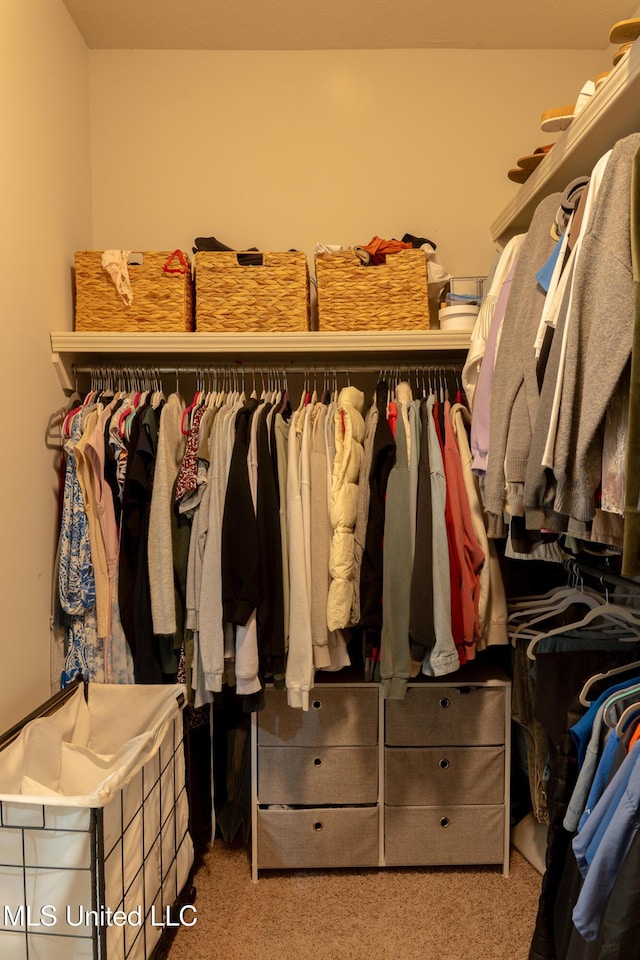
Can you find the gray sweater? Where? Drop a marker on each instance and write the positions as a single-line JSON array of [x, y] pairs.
[[631, 551], [600, 337], [514, 392], [395, 665]]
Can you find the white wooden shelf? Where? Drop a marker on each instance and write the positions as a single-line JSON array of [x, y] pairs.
[[611, 114], [101, 349]]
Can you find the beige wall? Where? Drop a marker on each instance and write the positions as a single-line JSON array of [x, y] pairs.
[[46, 215], [281, 149]]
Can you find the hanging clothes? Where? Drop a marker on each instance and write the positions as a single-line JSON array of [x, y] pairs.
[[395, 665], [264, 518]]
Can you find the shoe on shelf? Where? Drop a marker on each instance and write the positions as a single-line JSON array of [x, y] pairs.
[[519, 174], [528, 163], [622, 52], [531, 160], [559, 118], [625, 31]]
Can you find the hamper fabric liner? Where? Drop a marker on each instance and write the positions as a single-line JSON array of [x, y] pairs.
[[232, 297], [95, 851], [390, 296], [162, 288], [88, 750]]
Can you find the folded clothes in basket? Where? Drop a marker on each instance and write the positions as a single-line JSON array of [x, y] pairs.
[[210, 244]]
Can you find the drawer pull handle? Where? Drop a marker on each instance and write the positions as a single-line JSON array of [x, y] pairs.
[[445, 702], [444, 822], [316, 704], [444, 764], [318, 826], [317, 761]]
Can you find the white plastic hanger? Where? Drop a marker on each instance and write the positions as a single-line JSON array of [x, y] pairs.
[[607, 611], [537, 602], [626, 716], [620, 697], [614, 672], [524, 630]]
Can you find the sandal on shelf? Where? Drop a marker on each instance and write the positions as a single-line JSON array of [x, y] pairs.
[[625, 31], [519, 174], [622, 52], [531, 160], [559, 118], [528, 163]]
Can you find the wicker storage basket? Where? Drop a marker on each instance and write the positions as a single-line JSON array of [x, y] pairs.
[[162, 294], [390, 296], [232, 297]]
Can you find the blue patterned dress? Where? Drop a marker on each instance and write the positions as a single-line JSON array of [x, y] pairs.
[[76, 578]]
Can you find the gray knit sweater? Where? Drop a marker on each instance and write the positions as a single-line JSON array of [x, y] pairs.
[[600, 337], [514, 392]]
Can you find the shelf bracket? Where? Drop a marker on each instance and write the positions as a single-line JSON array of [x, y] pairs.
[[63, 366]]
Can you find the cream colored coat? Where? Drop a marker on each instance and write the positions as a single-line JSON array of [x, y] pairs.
[[349, 425]]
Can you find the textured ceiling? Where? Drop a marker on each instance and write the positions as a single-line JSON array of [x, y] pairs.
[[347, 24]]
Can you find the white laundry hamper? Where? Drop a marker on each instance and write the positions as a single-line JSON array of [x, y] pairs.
[[95, 850]]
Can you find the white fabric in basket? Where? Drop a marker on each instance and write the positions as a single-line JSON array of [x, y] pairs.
[[87, 751]]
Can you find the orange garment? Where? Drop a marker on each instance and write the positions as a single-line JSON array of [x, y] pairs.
[[636, 736], [392, 416], [470, 554], [455, 571], [379, 248]]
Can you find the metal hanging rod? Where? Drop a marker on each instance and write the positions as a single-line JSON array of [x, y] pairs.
[[580, 569], [392, 369]]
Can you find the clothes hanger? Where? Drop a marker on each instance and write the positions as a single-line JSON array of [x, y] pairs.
[[515, 602], [524, 631], [185, 419], [302, 394], [158, 396], [558, 598], [608, 611], [561, 598], [614, 672], [632, 711], [630, 692]]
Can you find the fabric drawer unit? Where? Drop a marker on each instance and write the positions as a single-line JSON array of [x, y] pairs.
[[336, 717], [361, 781], [446, 716], [440, 775], [310, 775], [444, 834], [318, 837]]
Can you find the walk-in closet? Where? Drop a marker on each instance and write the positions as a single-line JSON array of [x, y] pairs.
[[323, 615]]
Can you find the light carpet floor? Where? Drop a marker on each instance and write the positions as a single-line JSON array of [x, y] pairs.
[[412, 913]]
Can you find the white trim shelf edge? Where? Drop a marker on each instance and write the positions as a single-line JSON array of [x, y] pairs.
[[612, 113], [70, 348]]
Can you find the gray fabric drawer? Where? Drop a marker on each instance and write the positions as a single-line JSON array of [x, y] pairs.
[[337, 716], [322, 837], [317, 775], [446, 716], [444, 835], [441, 775]]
